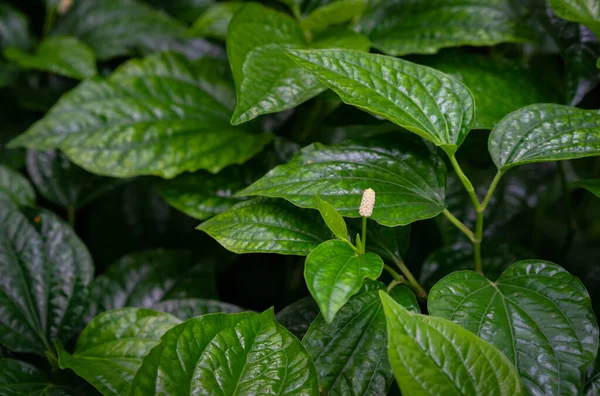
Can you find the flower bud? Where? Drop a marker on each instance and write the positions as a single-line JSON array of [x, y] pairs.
[[367, 203]]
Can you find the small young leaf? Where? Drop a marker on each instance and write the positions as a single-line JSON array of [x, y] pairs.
[[433, 356], [592, 185], [545, 132], [425, 101], [215, 20], [111, 348], [333, 219], [15, 187], [239, 354], [334, 272]]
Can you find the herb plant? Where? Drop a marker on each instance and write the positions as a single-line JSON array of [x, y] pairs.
[[392, 196]]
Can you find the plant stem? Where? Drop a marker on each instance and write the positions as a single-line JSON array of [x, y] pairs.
[[409, 276], [460, 225], [477, 240], [491, 190], [392, 272], [49, 20], [465, 181], [395, 283], [71, 216], [364, 235]]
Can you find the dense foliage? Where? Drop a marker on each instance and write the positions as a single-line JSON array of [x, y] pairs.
[[299, 197]]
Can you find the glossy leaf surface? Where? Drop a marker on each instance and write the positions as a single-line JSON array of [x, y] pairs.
[[15, 187], [275, 226], [186, 308], [409, 181], [332, 218], [536, 313], [545, 132], [431, 355], [351, 352], [65, 56], [178, 127], [110, 349], [215, 20], [334, 272], [592, 185], [240, 354], [19, 378], [46, 271], [425, 101]]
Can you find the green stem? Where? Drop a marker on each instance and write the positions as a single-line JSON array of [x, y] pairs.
[[395, 283], [71, 216], [477, 240], [394, 274], [364, 235], [409, 276], [459, 224], [49, 21], [491, 190], [465, 181]]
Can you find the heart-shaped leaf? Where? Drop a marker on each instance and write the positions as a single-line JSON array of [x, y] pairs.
[[298, 316], [582, 11], [110, 349], [334, 272], [425, 101], [544, 132], [433, 356], [64, 183], [19, 378], [400, 27], [332, 218], [276, 227], [215, 20], [45, 271], [239, 354], [592, 185], [15, 187], [536, 313], [185, 308], [350, 353], [184, 116], [408, 179], [65, 56]]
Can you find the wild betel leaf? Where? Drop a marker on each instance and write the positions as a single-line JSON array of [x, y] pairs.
[[15, 187], [19, 378], [592, 185], [350, 352], [182, 123], [423, 100], [111, 348], [186, 308], [433, 356], [334, 272], [536, 313], [333, 219], [544, 132], [215, 20], [407, 177], [586, 12], [46, 271], [237, 354], [334, 13]]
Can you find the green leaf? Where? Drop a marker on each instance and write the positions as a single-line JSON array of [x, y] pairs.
[[586, 12], [185, 10], [400, 27], [339, 37], [536, 313], [240, 354], [334, 272], [45, 271], [408, 179], [15, 187], [64, 183], [592, 383], [350, 353], [20, 378], [545, 132], [65, 56], [146, 278], [592, 185], [186, 308], [215, 20], [423, 100], [15, 28], [117, 27], [110, 349], [182, 123], [275, 226], [432, 355], [202, 195], [333, 14], [334, 220], [266, 80], [581, 75], [498, 85], [298, 316]]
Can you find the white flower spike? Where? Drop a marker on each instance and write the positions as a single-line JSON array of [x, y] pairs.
[[368, 203]]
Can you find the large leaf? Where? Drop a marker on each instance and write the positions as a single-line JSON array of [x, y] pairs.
[[146, 278], [240, 354], [423, 100], [66, 56], [215, 21], [266, 80], [536, 313], [161, 115], [19, 378], [46, 271], [275, 226], [334, 272], [586, 12], [433, 356], [14, 28], [185, 308], [117, 27], [545, 132], [110, 349], [15, 187], [592, 185], [409, 181], [64, 183], [298, 316], [350, 353]]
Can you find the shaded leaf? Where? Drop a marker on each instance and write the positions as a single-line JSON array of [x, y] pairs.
[[14, 28], [592, 383], [431, 355], [536, 313], [592, 185], [333, 14], [19, 378], [583, 11], [215, 20], [186, 308], [335, 222], [15, 187], [185, 10], [298, 316]]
